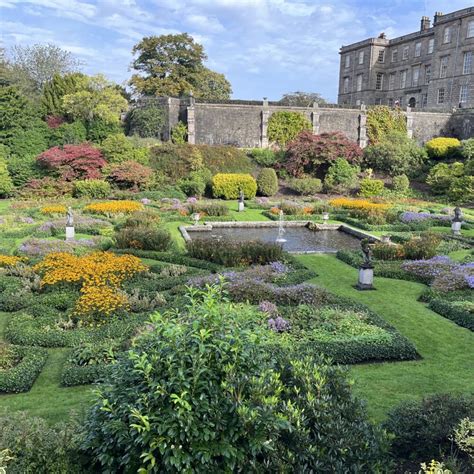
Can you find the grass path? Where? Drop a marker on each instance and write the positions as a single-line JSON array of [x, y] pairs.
[[447, 349], [47, 398]]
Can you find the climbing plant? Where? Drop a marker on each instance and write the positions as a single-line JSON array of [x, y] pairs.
[[381, 120], [179, 133], [284, 126]]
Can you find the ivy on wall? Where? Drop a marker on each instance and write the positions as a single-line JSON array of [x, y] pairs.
[[382, 120], [179, 133], [284, 127]]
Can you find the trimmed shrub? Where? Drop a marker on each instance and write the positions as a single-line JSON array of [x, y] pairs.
[[179, 133], [267, 182], [284, 126], [228, 185], [247, 411], [423, 247], [371, 187], [264, 157], [396, 154], [305, 186], [461, 312], [68, 134], [232, 253], [467, 149], [143, 238], [6, 183], [194, 185], [307, 153], [117, 148], [461, 190], [341, 176], [46, 188], [401, 184], [92, 188], [422, 430], [442, 148], [442, 175], [208, 208], [22, 375], [99, 129], [382, 121]]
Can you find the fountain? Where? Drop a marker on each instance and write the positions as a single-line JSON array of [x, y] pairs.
[[281, 230]]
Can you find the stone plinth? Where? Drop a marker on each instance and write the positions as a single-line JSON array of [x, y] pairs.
[[456, 227], [241, 206], [366, 278], [70, 233]]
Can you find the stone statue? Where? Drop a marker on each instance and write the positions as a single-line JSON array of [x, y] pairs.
[[367, 251], [69, 218], [241, 195], [457, 215]]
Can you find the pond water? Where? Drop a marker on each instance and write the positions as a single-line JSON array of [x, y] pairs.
[[298, 239]]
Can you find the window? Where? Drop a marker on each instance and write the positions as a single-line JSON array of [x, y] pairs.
[[378, 101], [394, 55], [379, 81], [415, 75], [406, 50], [427, 73], [443, 67], [424, 100], [403, 79], [359, 82], [417, 50], [467, 65], [381, 57], [346, 85], [390, 102], [358, 102], [463, 94], [361, 57], [447, 35], [470, 29], [347, 61], [441, 96], [391, 81], [431, 46]]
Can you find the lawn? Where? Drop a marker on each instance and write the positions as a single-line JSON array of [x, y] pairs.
[[446, 349]]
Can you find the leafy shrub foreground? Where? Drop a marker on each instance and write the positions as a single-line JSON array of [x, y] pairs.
[[228, 405]]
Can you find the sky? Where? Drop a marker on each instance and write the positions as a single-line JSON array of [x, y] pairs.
[[264, 47]]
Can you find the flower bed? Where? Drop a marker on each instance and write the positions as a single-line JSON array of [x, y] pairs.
[[41, 247], [24, 366], [111, 208], [53, 210]]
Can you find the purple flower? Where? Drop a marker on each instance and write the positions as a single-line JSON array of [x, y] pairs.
[[191, 200], [278, 267], [145, 201], [410, 216], [268, 307], [279, 324]]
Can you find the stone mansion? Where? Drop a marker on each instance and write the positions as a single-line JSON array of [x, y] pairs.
[[430, 69]]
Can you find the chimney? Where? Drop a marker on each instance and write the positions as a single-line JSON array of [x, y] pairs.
[[437, 16], [382, 36], [425, 23]]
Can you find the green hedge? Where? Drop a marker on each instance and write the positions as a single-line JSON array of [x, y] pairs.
[[83, 374], [300, 217], [27, 330], [449, 310], [22, 377], [228, 185]]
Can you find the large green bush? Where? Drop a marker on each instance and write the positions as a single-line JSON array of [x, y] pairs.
[[68, 134], [401, 184], [442, 148], [341, 176], [441, 176], [395, 154], [265, 157], [306, 186], [145, 121], [23, 169], [92, 188], [143, 238], [225, 403], [467, 149], [284, 126], [6, 183], [267, 182], [117, 148], [228, 185], [382, 121], [371, 187], [30, 141], [99, 129], [422, 430], [179, 133]]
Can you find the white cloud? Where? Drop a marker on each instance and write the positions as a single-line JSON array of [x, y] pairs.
[[203, 22]]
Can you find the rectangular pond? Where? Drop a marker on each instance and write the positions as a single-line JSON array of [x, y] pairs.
[[298, 239]]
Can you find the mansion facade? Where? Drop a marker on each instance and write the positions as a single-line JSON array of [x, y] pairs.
[[432, 68]]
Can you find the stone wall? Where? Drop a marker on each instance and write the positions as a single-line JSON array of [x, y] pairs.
[[245, 125]]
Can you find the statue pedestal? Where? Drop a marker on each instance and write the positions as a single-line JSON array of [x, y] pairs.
[[456, 227], [70, 233], [366, 278], [241, 206]]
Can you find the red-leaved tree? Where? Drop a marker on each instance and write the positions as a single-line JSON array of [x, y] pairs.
[[130, 174], [72, 162], [54, 121], [308, 153]]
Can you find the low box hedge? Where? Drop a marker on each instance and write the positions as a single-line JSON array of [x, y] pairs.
[[450, 310], [83, 374], [22, 376]]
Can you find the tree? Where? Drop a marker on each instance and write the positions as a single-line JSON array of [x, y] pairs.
[[301, 99], [99, 99], [145, 121], [6, 184], [33, 66], [173, 65], [58, 87], [73, 162]]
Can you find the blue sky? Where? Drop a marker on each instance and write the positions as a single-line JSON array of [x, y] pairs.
[[264, 47]]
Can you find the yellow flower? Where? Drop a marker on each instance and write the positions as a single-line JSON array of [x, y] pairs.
[[347, 203], [53, 209], [10, 261], [109, 208]]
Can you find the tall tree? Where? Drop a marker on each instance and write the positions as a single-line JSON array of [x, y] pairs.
[[99, 99], [33, 66], [302, 99], [173, 65], [58, 87]]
